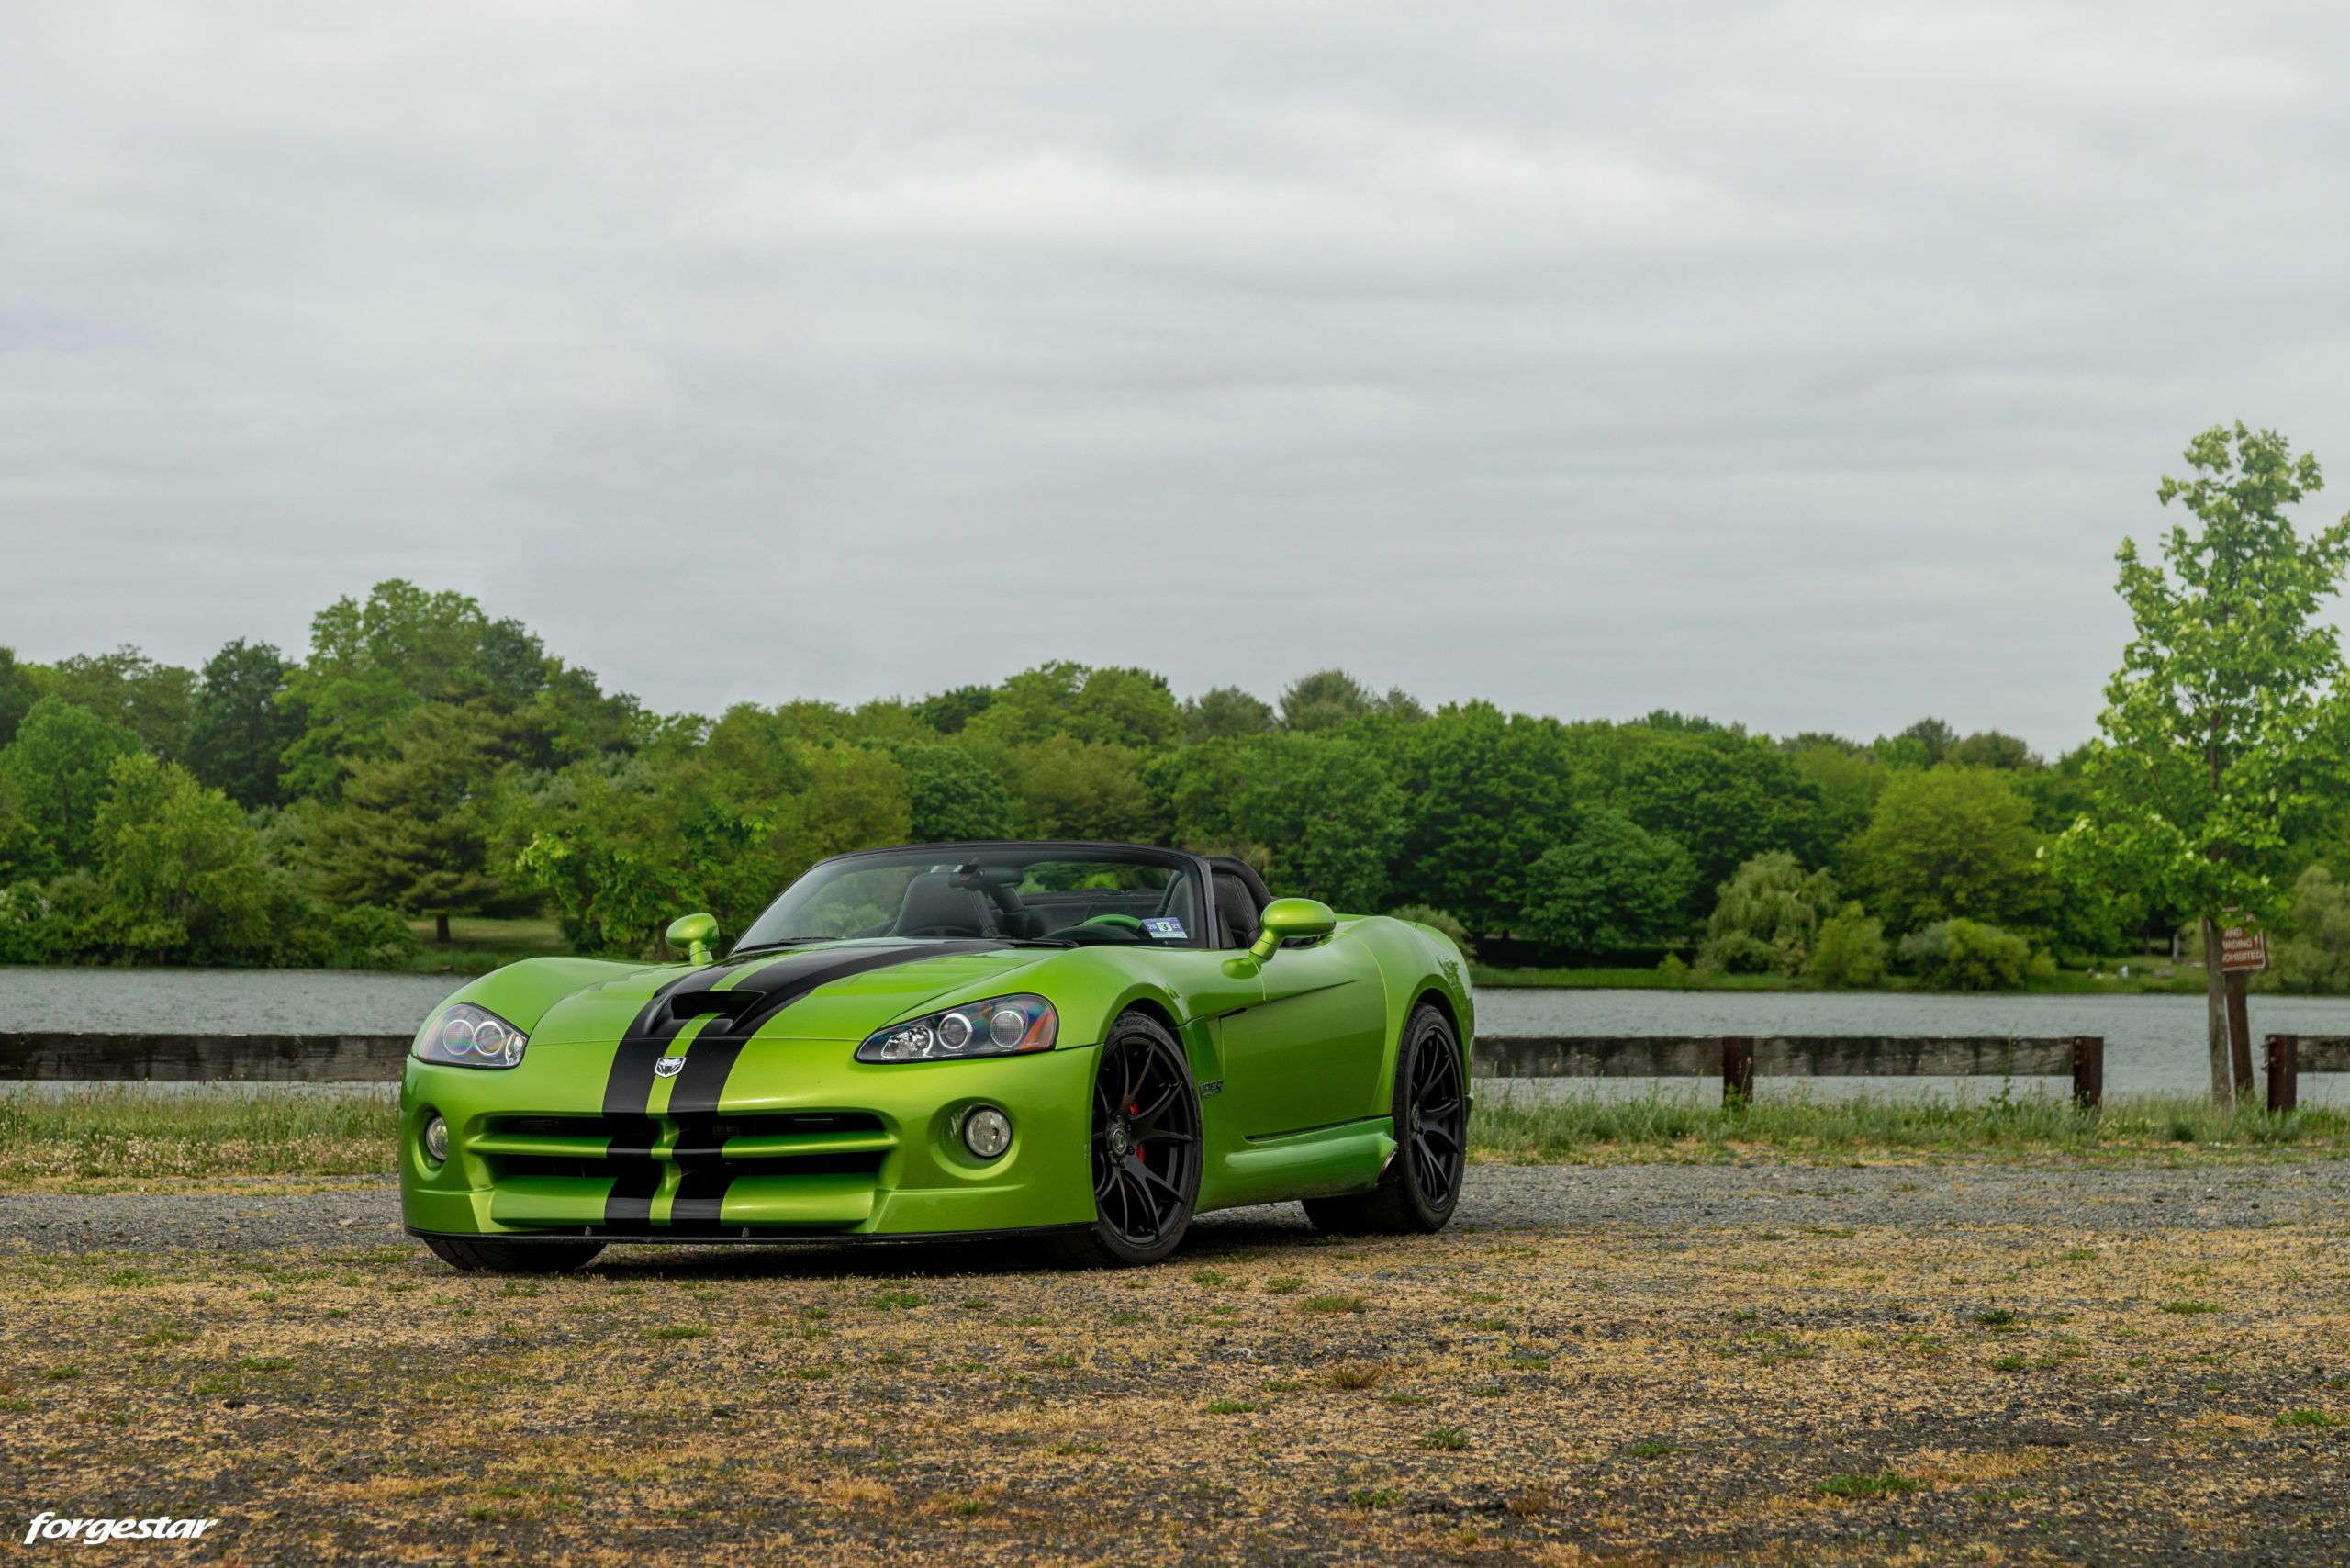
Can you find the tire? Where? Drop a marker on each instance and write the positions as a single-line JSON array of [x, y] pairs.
[[1421, 1186], [486, 1256], [1146, 1151]]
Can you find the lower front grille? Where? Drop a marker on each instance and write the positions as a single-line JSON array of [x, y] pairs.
[[786, 1123], [867, 1164]]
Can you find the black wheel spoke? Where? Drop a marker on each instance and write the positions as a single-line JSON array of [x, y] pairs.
[[1438, 1130], [1145, 1137]]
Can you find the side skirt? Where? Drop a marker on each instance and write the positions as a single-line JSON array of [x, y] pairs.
[[737, 1235], [1323, 1163]]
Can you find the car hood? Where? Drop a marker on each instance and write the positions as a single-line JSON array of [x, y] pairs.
[[838, 992]]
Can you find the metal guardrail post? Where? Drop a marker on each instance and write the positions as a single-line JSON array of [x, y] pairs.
[[2284, 1072], [2088, 1072], [1738, 1069]]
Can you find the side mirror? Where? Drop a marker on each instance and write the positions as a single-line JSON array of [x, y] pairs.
[[694, 933], [1285, 918]]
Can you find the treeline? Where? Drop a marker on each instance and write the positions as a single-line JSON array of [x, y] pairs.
[[424, 760]]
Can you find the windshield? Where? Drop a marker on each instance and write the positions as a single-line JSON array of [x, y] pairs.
[[1015, 892]]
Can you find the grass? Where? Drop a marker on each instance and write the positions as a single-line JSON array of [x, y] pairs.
[[140, 1135], [478, 945], [139, 1130], [1510, 1121], [1884, 1484]]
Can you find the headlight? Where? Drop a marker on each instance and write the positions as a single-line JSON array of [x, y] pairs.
[[1000, 1026], [436, 1140], [466, 1036]]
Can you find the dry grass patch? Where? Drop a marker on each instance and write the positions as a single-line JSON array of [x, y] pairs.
[[439, 1414]]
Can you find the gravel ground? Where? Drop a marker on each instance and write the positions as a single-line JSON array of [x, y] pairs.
[[1756, 1365], [2204, 1197]]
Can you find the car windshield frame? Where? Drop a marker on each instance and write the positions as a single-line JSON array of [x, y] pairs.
[[771, 929]]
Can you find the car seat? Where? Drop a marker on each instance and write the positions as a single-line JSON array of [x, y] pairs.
[[1240, 897]]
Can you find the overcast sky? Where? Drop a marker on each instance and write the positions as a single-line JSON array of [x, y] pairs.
[[1801, 364]]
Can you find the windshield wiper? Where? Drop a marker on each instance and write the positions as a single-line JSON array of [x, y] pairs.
[[787, 942]]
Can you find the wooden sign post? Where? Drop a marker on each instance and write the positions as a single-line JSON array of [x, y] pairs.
[[2243, 950]]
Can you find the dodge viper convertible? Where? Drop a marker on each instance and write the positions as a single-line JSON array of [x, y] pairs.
[[1084, 1044]]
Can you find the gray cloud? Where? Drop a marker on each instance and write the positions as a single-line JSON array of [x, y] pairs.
[[1800, 364]]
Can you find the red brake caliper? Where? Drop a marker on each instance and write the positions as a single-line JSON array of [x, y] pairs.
[[1137, 1149]]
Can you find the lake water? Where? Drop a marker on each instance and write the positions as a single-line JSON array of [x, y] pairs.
[[2151, 1043]]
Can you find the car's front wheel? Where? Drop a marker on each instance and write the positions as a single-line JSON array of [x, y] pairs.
[[482, 1255], [1146, 1147], [1421, 1186]]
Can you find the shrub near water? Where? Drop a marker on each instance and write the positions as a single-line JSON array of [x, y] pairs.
[[138, 1130]]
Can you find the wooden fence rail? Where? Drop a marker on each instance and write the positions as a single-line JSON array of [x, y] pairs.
[[1740, 1059], [188, 1058]]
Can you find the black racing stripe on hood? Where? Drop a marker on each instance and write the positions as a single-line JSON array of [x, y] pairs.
[[634, 1135], [700, 1085], [647, 1040]]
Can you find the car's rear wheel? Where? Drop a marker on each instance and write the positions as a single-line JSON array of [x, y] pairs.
[[1421, 1186], [1145, 1148], [481, 1255]]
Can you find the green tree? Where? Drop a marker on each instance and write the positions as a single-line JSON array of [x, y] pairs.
[[1329, 698], [952, 796], [1224, 712], [414, 830], [1926, 744], [1726, 799], [370, 665], [949, 712], [1329, 816], [1130, 707], [126, 688], [1072, 788], [1849, 951], [620, 846], [1612, 887], [1966, 955], [1848, 775], [1773, 902], [1950, 842], [240, 727], [2316, 956], [182, 873], [1989, 748], [20, 690], [1484, 796], [2222, 732], [59, 773]]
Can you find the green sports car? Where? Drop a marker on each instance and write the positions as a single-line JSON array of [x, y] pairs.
[[1087, 1043]]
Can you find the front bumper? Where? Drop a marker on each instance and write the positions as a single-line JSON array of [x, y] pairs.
[[806, 1144]]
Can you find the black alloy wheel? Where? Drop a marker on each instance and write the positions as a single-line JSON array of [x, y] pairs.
[[1421, 1186], [1145, 1149]]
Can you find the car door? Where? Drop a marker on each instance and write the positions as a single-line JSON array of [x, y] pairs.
[[1309, 1055]]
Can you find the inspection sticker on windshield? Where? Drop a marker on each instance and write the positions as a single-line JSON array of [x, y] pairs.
[[1165, 926]]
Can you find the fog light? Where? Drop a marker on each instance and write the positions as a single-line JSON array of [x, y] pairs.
[[987, 1132], [436, 1140]]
